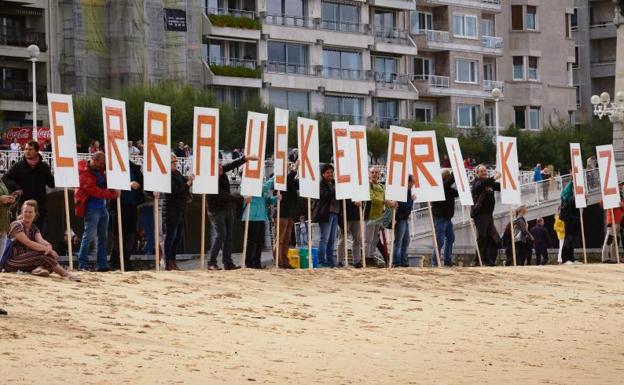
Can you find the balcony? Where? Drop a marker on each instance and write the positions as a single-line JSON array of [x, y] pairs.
[[345, 80], [603, 69], [488, 5], [341, 26], [19, 90], [233, 72], [387, 121], [291, 75], [352, 119], [23, 37], [394, 41], [289, 21], [489, 85], [231, 23], [406, 5], [492, 42], [604, 30], [435, 81], [395, 86], [432, 40]]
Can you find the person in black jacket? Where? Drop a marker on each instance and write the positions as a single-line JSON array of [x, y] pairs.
[[130, 200], [483, 188], [288, 214], [443, 212], [325, 213], [220, 213], [401, 230], [174, 212], [31, 175]]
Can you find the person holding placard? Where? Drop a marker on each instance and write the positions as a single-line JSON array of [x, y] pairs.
[[220, 212], [569, 214], [609, 254], [288, 215], [401, 230], [174, 212], [325, 213], [443, 212], [373, 212], [90, 203], [483, 188], [522, 237], [257, 218], [353, 227]]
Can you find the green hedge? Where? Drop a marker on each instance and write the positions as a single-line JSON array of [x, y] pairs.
[[241, 72], [234, 22]]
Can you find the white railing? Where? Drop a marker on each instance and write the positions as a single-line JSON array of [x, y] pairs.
[[489, 85], [434, 36], [233, 62], [392, 35], [435, 81], [289, 21], [231, 12], [603, 24], [493, 42]]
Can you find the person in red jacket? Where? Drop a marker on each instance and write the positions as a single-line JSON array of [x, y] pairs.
[[90, 203], [608, 246]]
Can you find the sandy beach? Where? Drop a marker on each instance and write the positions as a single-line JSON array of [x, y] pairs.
[[532, 325]]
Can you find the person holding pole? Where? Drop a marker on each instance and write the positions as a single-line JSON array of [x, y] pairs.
[[522, 237], [288, 214], [90, 203], [401, 230], [608, 254], [443, 212], [325, 213], [257, 218], [571, 218], [483, 189], [373, 212], [220, 212], [353, 227]]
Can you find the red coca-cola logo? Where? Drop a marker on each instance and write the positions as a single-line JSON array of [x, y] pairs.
[[24, 134]]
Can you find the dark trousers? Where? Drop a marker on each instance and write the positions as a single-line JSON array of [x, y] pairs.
[[255, 243], [286, 227], [541, 256], [129, 218], [173, 236], [521, 253], [571, 233], [40, 222], [487, 238], [221, 228]]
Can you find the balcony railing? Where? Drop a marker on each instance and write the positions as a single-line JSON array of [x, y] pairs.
[[435, 81], [434, 36], [344, 73], [342, 26], [289, 21], [603, 24], [493, 42], [387, 121], [233, 62], [489, 85], [353, 119], [21, 90], [392, 80], [393, 35], [231, 12], [289, 68], [22, 37]]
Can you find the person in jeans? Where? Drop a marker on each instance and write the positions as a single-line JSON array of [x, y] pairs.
[[483, 188], [541, 242], [90, 203], [257, 218], [353, 227], [443, 212], [401, 230], [325, 213], [174, 212], [288, 214], [220, 213]]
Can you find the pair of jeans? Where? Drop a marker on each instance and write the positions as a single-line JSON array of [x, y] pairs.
[[255, 243], [327, 241], [353, 227], [372, 238], [221, 228], [445, 235], [173, 236], [95, 230], [401, 242], [286, 228]]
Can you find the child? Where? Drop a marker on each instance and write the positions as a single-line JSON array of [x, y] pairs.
[[541, 243], [302, 232]]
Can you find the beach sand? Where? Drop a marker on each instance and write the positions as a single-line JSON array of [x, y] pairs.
[[531, 325]]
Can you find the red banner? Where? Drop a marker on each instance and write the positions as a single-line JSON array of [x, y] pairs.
[[24, 135]]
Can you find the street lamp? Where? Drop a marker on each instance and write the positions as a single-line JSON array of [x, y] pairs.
[[604, 107], [33, 52], [496, 94]]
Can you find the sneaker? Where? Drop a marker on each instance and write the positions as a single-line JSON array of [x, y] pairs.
[[232, 267], [214, 267], [578, 262], [3, 312], [568, 263], [358, 265]]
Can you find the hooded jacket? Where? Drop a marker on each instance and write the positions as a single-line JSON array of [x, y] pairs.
[[89, 188], [32, 181]]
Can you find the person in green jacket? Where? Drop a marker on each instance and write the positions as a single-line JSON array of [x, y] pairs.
[[6, 201], [257, 218]]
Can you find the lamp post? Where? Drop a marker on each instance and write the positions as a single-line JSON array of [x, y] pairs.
[[604, 107], [496, 94], [33, 52]]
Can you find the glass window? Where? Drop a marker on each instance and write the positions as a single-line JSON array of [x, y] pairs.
[[341, 64], [465, 71], [488, 71], [531, 18], [517, 22], [338, 16], [467, 115], [520, 116], [386, 68], [465, 26], [215, 52], [274, 7], [383, 20], [533, 72], [487, 27], [423, 114], [422, 66], [518, 67], [420, 21], [534, 118], [214, 5], [488, 117], [345, 106], [290, 100], [287, 57], [387, 112], [293, 7]]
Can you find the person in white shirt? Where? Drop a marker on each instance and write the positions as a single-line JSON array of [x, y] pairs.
[[132, 150], [15, 146]]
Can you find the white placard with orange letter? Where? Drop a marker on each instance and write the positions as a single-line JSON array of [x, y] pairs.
[[255, 145], [359, 164], [308, 144], [577, 175], [280, 154], [342, 159], [425, 163], [157, 152], [397, 164], [608, 177], [63, 133], [206, 150], [459, 171], [116, 144], [507, 164]]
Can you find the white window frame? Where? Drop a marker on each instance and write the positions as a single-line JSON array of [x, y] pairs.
[[474, 67], [462, 34], [473, 117]]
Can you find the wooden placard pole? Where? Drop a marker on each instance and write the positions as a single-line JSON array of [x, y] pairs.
[[70, 252], [156, 233], [120, 236], [583, 237], [244, 258], [362, 237], [345, 232], [435, 237], [203, 234], [474, 235], [391, 251], [310, 266], [277, 230], [513, 235], [615, 235]]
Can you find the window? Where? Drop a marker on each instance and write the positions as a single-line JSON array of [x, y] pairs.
[[520, 117], [517, 20], [568, 31], [285, 7], [488, 117], [387, 112], [465, 26], [467, 115], [488, 71], [383, 21], [423, 66], [386, 68], [341, 64], [534, 118], [215, 52], [576, 57], [533, 72], [423, 114], [572, 117], [290, 100], [569, 67], [420, 21], [578, 95], [287, 57], [340, 16], [487, 27], [466, 71], [531, 18], [574, 20], [518, 68], [214, 5], [345, 106]]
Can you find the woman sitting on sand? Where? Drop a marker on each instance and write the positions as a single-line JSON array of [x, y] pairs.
[[31, 252]]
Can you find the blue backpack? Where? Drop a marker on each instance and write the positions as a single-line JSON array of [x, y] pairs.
[[6, 253]]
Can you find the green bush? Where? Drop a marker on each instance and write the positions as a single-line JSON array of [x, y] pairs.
[[234, 22], [241, 72]]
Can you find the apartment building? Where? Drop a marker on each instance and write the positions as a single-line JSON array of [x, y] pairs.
[[22, 23], [348, 59], [595, 50]]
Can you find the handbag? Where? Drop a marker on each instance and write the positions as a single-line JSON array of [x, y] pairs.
[[6, 253]]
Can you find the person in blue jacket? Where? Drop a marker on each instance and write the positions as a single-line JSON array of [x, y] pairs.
[[257, 218]]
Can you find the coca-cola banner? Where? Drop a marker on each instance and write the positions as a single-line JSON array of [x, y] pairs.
[[24, 134]]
